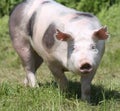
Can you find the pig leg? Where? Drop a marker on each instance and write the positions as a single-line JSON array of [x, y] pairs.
[[59, 77], [31, 61], [86, 86], [30, 69]]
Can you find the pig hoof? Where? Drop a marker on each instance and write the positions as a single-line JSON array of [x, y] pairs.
[[64, 88], [87, 99], [30, 84]]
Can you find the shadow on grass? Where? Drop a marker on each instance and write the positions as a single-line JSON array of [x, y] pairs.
[[98, 93]]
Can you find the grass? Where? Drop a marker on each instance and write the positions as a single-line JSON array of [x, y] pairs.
[[105, 86]]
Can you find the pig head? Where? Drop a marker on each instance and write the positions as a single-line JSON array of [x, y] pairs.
[[84, 55], [65, 39]]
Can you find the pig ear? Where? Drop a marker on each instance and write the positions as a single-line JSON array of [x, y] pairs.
[[101, 34], [62, 36]]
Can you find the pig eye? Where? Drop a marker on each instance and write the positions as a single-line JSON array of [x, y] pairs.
[[73, 48], [93, 47]]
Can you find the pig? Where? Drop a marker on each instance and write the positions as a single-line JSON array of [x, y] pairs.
[[64, 38]]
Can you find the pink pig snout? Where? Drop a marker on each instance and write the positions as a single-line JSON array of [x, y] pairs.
[[86, 67]]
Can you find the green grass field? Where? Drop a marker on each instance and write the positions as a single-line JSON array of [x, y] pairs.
[[105, 85]]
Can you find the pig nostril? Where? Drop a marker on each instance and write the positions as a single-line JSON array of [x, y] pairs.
[[86, 66]]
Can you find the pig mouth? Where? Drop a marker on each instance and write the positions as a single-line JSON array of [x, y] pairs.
[[86, 68]]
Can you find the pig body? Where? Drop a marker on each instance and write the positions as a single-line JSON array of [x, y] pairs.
[[66, 39]]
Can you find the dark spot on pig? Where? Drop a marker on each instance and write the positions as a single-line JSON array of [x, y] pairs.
[[84, 14], [45, 2], [81, 15], [16, 18], [30, 24], [16, 15], [48, 38], [19, 7]]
